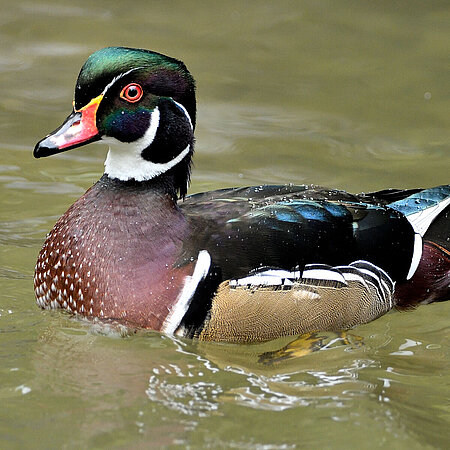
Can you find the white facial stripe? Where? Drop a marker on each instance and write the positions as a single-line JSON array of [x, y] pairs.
[[185, 112], [149, 136], [124, 160]]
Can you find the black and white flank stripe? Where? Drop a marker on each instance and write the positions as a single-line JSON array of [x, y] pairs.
[[369, 275]]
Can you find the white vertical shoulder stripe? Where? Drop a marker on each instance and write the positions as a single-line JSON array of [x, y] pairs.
[[417, 255], [183, 301]]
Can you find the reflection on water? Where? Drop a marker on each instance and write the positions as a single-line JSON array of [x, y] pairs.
[[345, 94], [274, 389], [371, 383]]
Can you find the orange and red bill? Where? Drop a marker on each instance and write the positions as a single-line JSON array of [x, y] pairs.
[[78, 129]]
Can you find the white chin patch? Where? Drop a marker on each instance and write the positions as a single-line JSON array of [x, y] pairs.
[[124, 160]]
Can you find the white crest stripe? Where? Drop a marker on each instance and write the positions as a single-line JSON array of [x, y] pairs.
[[118, 77]]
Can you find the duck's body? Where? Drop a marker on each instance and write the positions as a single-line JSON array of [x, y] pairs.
[[128, 251]]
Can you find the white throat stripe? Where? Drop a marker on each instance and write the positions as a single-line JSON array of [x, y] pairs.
[[124, 160]]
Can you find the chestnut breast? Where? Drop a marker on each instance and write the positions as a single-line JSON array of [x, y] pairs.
[[114, 254]]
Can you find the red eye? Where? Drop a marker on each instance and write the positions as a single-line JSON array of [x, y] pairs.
[[132, 92]]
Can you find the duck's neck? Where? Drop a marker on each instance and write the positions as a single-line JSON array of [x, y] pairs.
[[124, 163], [162, 186], [162, 153]]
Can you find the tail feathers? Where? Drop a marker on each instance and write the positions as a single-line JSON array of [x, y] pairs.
[[422, 220], [421, 208]]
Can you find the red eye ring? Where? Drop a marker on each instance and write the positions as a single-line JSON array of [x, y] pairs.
[[132, 93]]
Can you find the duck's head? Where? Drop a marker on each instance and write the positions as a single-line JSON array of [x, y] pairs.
[[142, 104]]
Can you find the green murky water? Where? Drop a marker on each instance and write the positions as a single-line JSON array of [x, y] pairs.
[[349, 94]]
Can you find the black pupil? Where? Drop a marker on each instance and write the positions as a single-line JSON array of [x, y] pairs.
[[132, 92]]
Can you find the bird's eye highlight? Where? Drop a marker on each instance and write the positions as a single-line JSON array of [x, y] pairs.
[[132, 92]]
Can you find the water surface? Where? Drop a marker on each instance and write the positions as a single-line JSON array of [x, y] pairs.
[[346, 94]]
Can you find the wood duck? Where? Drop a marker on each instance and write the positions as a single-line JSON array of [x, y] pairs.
[[239, 264]]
